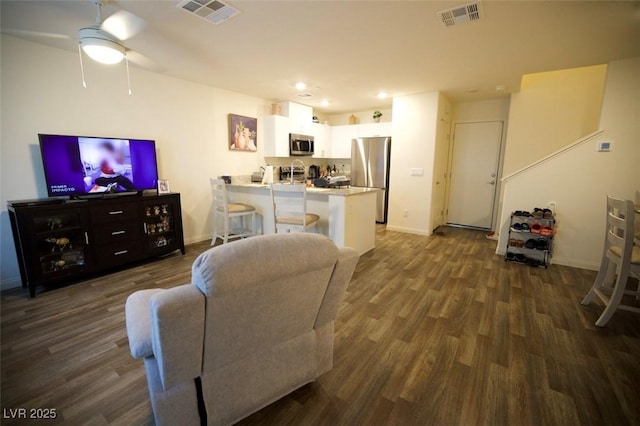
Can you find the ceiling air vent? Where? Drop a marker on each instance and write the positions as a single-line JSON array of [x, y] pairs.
[[471, 12], [212, 10]]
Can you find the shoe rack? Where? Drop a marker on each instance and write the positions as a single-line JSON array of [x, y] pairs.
[[531, 237]]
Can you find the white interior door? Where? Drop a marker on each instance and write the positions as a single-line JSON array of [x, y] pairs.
[[474, 173]]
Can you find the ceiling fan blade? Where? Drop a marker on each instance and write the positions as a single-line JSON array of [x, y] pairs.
[[23, 33], [123, 25], [144, 62]]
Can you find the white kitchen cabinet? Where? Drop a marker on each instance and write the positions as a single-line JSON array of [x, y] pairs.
[[341, 137], [300, 117], [275, 135], [322, 140], [374, 129]]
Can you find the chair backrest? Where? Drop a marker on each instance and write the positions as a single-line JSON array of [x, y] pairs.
[[261, 292], [219, 192], [620, 226], [289, 206]]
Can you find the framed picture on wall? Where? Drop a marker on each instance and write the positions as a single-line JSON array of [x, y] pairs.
[[243, 133]]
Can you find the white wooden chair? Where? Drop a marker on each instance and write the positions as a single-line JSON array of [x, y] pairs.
[[227, 211], [290, 208], [618, 249]]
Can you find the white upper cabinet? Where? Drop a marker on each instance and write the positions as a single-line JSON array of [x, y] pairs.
[[300, 117], [330, 141], [322, 140], [374, 129], [275, 135], [341, 137]]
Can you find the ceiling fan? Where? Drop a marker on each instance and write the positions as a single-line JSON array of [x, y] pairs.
[[103, 41]]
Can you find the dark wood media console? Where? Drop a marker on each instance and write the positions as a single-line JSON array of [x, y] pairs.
[[59, 240]]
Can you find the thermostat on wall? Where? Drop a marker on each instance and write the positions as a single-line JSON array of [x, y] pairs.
[[605, 146]]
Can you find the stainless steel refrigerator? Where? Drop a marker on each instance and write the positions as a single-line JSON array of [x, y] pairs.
[[370, 159]]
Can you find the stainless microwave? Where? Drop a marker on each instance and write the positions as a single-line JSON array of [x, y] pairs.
[[300, 145]]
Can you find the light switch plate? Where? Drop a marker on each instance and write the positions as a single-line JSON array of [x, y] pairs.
[[417, 172], [605, 146]]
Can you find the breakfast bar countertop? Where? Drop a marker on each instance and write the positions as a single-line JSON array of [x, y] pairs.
[[347, 215], [344, 192]]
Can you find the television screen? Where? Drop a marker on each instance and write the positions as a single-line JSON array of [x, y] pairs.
[[78, 165]]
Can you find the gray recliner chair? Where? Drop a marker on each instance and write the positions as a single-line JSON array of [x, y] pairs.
[[255, 324]]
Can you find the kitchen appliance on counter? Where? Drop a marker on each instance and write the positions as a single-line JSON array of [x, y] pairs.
[[257, 176], [332, 182], [298, 173], [314, 172], [370, 160], [300, 145]]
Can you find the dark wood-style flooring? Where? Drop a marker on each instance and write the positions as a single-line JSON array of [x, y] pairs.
[[432, 331]]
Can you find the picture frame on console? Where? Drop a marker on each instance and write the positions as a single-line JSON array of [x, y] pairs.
[[163, 186], [243, 133]]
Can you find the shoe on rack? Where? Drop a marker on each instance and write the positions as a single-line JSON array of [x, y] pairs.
[[530, 244], [547, 231], [535, 228], [534, 263], [547, 213], [542, 244]]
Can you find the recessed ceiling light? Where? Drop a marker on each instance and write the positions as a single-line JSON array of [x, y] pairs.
[[300, 85], [324, 103], [382, 95]]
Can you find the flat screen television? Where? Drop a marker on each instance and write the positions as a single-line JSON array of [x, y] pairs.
[[79, 165]]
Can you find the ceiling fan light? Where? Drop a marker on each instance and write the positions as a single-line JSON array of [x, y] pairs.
[[103, 51]]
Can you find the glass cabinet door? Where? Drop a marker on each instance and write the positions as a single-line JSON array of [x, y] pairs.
[[159, 225], [61, 242]]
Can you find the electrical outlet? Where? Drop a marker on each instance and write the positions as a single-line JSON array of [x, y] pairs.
[[405, 213]]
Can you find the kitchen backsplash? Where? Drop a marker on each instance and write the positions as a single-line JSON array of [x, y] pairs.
[[340, 163]]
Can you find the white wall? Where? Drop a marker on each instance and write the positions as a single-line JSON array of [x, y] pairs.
[[362, 117], [42, 93], [551, 110], [478, 111], [414, 131], [579, 179]]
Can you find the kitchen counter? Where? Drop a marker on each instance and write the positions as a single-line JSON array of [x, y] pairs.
[[347, 215], [343, 192]]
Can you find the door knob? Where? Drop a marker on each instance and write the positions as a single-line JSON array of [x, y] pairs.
[[492, 182]]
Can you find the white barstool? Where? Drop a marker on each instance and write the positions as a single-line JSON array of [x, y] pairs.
[[618, 249], [290, 208], [222, 208]]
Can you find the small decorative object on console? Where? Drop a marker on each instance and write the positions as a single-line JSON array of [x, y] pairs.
[[163, 186], [376, 116]]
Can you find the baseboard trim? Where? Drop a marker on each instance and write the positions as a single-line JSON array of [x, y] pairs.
[[408, 230], [564, 261], [577, 263]]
